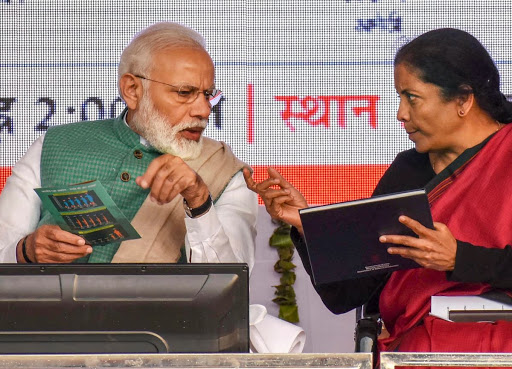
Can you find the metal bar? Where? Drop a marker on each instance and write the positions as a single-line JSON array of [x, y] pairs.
[[389, 360], [173, 361]]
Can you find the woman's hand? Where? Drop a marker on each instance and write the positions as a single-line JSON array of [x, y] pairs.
[[283, 202], [434, 249]]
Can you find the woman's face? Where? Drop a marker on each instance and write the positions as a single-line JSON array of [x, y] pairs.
[[431, 122]]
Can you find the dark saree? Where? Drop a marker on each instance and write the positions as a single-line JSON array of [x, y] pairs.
[[473, 198]]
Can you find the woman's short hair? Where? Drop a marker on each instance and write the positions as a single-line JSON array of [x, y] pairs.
[[136, 57], [458, 63]]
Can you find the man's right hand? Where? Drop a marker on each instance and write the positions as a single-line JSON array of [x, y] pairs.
[[281, 199], [51, 244]]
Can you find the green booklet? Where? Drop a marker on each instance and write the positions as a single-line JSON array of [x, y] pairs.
[[86, 209]]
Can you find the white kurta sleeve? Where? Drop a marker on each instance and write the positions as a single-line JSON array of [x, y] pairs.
[[226, 234], [20, 207]]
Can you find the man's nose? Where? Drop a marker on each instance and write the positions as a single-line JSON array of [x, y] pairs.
[[201, 107]]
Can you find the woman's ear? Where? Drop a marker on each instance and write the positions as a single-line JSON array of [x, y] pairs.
[[131, 90], [465, 102]]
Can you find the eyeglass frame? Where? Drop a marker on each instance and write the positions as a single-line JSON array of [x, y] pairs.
[[213, 98]]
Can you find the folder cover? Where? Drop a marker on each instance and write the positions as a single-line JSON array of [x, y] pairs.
[[342, 239]]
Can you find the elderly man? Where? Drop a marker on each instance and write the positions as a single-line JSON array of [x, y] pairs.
[[184, 193]]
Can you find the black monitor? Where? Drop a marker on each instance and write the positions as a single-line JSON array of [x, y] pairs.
[[124, 308]]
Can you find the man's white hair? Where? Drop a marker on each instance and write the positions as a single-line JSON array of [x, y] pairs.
[[137, 56]]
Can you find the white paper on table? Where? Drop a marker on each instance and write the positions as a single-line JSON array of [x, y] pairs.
[[269, 334]]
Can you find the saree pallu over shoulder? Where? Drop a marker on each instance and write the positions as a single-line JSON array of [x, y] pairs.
[[472, 197]]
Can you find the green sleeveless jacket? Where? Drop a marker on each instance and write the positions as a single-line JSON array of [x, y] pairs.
[[104, 150]]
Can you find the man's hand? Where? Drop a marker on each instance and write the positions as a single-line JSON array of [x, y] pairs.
[[281, 199], [168, 176], [434, 249], [50, 244]]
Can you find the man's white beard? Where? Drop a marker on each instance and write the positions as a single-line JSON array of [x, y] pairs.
[[164, 136]]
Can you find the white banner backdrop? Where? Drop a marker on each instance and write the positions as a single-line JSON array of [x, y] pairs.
[[308, 85]]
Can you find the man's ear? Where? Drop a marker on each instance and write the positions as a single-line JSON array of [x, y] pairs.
[[131, 90]]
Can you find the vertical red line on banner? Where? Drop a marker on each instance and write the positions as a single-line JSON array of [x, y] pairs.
[[250, 113]]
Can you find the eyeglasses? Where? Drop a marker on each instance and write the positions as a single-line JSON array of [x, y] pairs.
[[188, 94]]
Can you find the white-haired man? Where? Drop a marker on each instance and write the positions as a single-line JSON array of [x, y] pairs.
[[184, 193]]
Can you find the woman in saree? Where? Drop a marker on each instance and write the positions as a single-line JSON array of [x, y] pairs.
[[453, 111]]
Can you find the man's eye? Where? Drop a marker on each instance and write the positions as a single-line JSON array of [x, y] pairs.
[[209, 94], [185, 93]]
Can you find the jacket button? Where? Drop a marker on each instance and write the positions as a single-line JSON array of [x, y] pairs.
[[125, 176], [138, 154]]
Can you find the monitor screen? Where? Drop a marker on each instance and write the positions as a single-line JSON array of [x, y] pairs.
[[124, 308]]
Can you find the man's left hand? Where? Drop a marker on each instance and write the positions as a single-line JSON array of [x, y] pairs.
[[434, 249], [168, 176]]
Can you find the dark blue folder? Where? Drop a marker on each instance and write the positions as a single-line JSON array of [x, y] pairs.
[[343, 239]]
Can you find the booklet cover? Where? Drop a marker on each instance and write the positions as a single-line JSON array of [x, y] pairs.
[[342, 239], [86, 209]]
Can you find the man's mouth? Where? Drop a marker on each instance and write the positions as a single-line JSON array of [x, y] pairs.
[[192, 133]]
